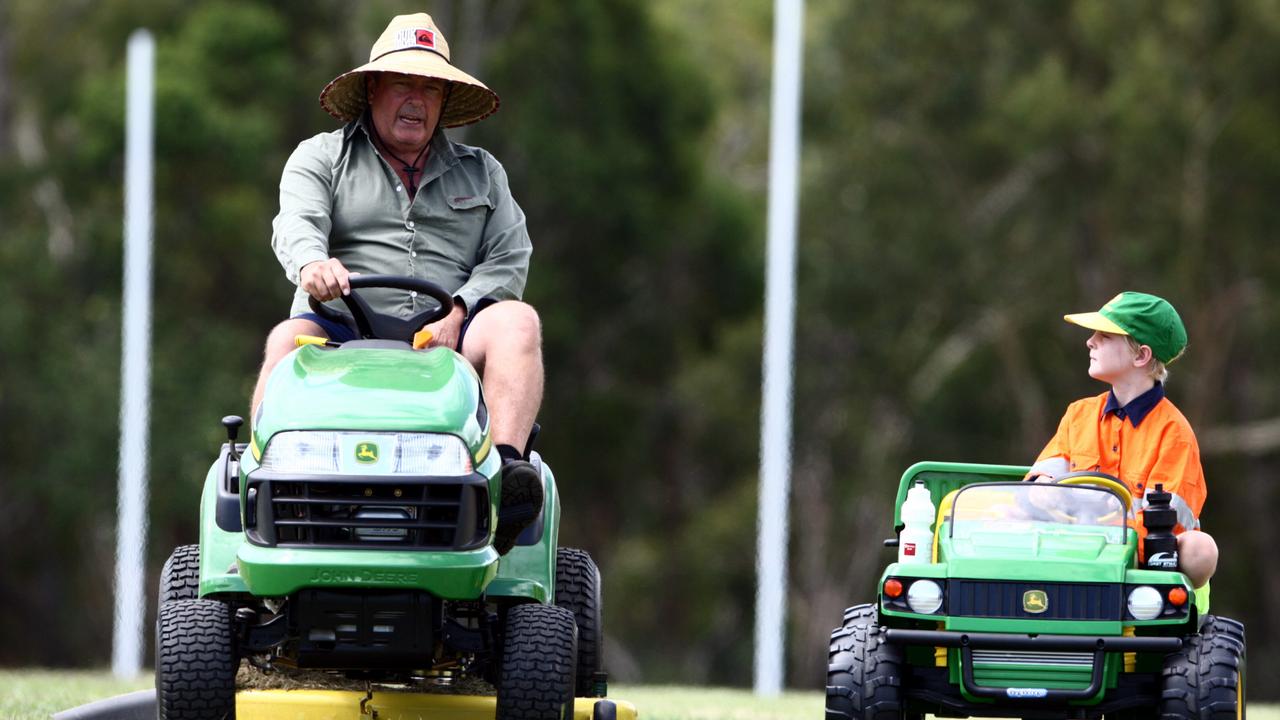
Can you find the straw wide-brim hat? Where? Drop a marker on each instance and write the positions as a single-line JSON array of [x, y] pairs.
[[413, 45]]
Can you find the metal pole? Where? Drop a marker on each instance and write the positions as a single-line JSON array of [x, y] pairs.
[[135, 366], [779, 332]]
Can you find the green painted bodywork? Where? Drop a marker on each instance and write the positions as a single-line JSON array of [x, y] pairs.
[[315, 388], [1041, 556], [375, 389]]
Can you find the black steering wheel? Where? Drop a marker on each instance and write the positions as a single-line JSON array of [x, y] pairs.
[[370, 325]]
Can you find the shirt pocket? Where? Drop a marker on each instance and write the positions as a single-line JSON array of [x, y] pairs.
[[469, 213], [1084, 461], [455, 231]]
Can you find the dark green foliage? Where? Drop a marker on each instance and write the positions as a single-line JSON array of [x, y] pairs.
[[971, 172]]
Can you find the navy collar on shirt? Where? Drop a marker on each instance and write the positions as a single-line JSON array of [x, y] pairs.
[[1138, 408]]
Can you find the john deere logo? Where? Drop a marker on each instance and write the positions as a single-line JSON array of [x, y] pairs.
[[366, 453], [1035, 601]]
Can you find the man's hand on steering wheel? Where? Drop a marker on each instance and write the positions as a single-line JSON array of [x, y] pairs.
[[370, 324], [445, 331], [325, 279]]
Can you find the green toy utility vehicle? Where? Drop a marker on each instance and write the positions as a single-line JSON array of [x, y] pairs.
[[354, 533], [1030, 603]]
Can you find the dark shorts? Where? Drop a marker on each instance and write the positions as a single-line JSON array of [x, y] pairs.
[[338, 332]]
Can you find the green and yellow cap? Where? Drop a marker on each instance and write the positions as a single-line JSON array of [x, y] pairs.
[[1150, 320]]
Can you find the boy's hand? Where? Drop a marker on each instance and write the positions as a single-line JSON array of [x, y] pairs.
[[1047, 470]]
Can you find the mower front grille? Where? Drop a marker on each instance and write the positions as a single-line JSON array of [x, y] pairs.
[[1062, 601], [428, 515]]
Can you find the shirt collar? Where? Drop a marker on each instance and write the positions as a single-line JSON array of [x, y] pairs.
[[1138, 408], [444, 153]]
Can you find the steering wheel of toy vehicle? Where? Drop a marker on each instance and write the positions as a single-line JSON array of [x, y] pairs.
[[371, 325], [1098, 479]]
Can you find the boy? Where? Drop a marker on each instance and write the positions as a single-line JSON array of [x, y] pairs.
[[1133, 431]]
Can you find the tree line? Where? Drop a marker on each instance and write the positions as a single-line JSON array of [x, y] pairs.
[[970, 173]]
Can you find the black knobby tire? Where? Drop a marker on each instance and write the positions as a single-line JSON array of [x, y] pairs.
[[539, 646], [1205, 679], [578, 591], [864, 673], [196, 661], [180, 576]]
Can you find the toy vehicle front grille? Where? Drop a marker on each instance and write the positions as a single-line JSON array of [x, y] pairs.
[[1062, 601], [1032, 668], [1032, 657], [327, 513]]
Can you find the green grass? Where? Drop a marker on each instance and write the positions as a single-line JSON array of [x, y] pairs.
[[35, 694], [32, 694]]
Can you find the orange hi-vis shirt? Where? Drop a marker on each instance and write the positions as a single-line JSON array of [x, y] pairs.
[[1160, 449]]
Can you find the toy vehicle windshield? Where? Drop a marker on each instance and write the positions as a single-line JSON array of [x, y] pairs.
[[1027, 507]]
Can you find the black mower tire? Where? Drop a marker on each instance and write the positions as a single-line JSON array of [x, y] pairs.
[[540, 644], [180, 576], [196, 661], [1205, 679], [864, 673], [578, 591]]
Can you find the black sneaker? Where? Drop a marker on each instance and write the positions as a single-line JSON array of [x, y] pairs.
[[519, 505]]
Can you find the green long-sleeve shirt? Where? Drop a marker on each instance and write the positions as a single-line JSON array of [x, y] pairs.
[[462, 230]]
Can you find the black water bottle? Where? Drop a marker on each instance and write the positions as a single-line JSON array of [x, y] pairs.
[[1161, 545]]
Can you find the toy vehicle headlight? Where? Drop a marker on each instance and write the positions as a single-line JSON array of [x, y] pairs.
[[1145, 602], [924, 596], [327, 452]]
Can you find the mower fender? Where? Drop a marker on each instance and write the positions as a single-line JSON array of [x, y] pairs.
[[218, 570], [529, 570]]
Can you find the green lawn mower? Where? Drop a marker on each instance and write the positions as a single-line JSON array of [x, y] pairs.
[[1017, 599], [354, 533]]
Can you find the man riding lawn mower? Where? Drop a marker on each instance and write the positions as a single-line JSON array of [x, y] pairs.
[[355, 531]]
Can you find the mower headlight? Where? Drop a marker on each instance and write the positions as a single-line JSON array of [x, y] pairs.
[[302, 452], [432, 454], [924, 596], [318, 452], [1145, 603]]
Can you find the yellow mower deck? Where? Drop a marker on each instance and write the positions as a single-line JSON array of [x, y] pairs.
[[353, 705]]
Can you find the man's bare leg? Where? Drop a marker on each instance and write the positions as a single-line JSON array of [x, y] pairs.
[[504, 344], [279, 344]]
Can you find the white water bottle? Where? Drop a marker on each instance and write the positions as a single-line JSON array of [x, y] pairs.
[[915, 542]]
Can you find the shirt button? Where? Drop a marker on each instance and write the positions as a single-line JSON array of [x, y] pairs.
[[413, 253], [410, 224], [399, 188], [413, 293], [1115, 448]]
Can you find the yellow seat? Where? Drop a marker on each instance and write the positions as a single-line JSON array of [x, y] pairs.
[[944, 510]]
